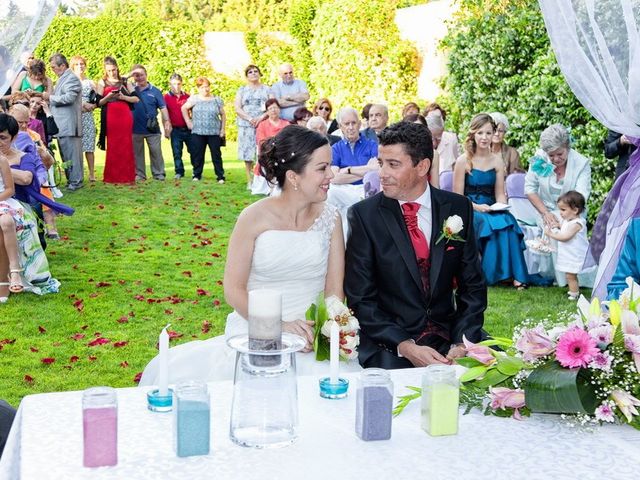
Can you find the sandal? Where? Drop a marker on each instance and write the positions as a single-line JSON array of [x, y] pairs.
[[15, 287], [520, 286], [4, 299]]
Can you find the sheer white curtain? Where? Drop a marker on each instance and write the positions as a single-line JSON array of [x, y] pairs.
[[22, 25], [597, 45]]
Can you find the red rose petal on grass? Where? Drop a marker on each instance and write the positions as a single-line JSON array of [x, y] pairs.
[[202, 292], [79, 305], [48, 360], [216, 303], [101, 207], [149, 290], [77, 336], [207, 264], [166, 244], [103, 284], [219, 282], [7, 341], [173, 334], [120, 344], [41, 329], [136, 227], [93, 295], [98, 341], [140, 298], [114, 224], [137, 378], [206, 326], [74, 359], [168, 311], [84, 327], [28, 379], [123, 319], [34, 349], [92, 358], [121, 282], [187, 273], [215, 255], [178, 264], [56, 344], [124, 364], [64, 237]]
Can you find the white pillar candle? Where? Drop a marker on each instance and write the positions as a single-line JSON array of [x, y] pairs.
[[163, 360], [334, 350], [265, 314]]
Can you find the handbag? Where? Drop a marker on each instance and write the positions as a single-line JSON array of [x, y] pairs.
[[152, 121]]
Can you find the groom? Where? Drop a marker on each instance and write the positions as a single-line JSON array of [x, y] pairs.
[[415, 294]]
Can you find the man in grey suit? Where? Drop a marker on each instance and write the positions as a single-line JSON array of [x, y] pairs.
[[66, 107]]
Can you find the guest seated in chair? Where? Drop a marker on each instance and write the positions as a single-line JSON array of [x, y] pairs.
[[510, 156], [353, 157], [556, 169], [479, 174]]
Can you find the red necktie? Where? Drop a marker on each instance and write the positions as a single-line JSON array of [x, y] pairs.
[[410, 214], [418, 240]]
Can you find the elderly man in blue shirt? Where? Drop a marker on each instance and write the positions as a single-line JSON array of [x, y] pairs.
[[353, 157]]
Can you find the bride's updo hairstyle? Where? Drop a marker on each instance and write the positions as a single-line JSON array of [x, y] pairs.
[[290, 149]]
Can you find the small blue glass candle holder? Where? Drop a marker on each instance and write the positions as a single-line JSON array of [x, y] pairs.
[[160, 403], [333, 391]]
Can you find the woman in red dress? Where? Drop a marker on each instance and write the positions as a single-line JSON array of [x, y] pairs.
[[116, 125]]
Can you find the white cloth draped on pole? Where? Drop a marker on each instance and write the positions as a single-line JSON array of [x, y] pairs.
[[22, 25], [597, 45]]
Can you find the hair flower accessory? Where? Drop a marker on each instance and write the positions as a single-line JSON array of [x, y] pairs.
[[450, 229], [540, 166]]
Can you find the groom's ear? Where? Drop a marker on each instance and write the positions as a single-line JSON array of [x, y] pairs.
[[424, 166]]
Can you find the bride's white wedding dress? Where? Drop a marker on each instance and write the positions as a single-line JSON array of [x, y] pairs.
[[292, 262]]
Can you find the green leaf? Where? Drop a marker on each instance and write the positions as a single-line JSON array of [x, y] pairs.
[[404, 400], [497, 341], [322, 349], [311, 312], [509, 365], [551, 388], [469, 362], [473, 373], [491, 379]]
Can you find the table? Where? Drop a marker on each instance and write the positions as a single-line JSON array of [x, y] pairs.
[[46, 443]]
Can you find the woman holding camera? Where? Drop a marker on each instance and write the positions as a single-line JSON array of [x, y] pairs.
[[116, 126]]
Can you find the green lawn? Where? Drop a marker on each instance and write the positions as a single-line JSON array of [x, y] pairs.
[[135, 258]]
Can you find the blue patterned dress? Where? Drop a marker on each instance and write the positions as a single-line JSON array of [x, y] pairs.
[[499, 237]]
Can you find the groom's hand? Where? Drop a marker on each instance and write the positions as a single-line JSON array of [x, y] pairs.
[[420, 355]]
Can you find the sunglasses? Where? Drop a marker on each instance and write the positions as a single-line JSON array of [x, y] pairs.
[[327, 109]]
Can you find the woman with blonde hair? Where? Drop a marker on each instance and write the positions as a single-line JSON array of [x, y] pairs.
[[479, 175], [323, 108], [89, 103]]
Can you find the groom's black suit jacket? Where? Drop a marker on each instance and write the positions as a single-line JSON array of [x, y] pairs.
[[383, 284]]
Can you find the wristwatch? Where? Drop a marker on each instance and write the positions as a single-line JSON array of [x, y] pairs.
[[349, 170]]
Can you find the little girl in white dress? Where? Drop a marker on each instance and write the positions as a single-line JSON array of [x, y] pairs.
[[10, 213], [572, 239]]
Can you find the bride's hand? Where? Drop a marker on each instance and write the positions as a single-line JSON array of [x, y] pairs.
[[303, 328]]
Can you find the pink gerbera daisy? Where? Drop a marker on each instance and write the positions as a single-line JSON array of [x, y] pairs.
[[575, 348]]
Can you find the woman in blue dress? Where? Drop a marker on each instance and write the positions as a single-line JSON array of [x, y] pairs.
[[479, 175]]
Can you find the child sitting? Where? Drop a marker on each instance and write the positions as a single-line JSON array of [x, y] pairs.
[[572, 239]]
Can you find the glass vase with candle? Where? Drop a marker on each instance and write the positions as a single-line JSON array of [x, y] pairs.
[[440, 400], [374, 405], [191, 419], [100, 427], [264, 411], [265, 323]]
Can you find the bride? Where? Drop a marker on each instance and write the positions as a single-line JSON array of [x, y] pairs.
[[291, 243]]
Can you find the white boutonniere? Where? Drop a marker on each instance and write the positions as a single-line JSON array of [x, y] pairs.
[[450, 229]]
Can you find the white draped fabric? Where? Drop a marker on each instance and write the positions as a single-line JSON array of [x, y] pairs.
[[22, 25], [597, 45]]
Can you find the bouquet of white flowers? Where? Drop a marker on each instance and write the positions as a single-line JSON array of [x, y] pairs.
[[324, 313]]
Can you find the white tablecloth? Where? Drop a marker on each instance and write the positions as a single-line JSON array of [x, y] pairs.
[[46, 443]]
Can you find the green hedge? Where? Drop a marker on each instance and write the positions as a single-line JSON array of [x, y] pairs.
[[500, 59], [162, 47]]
